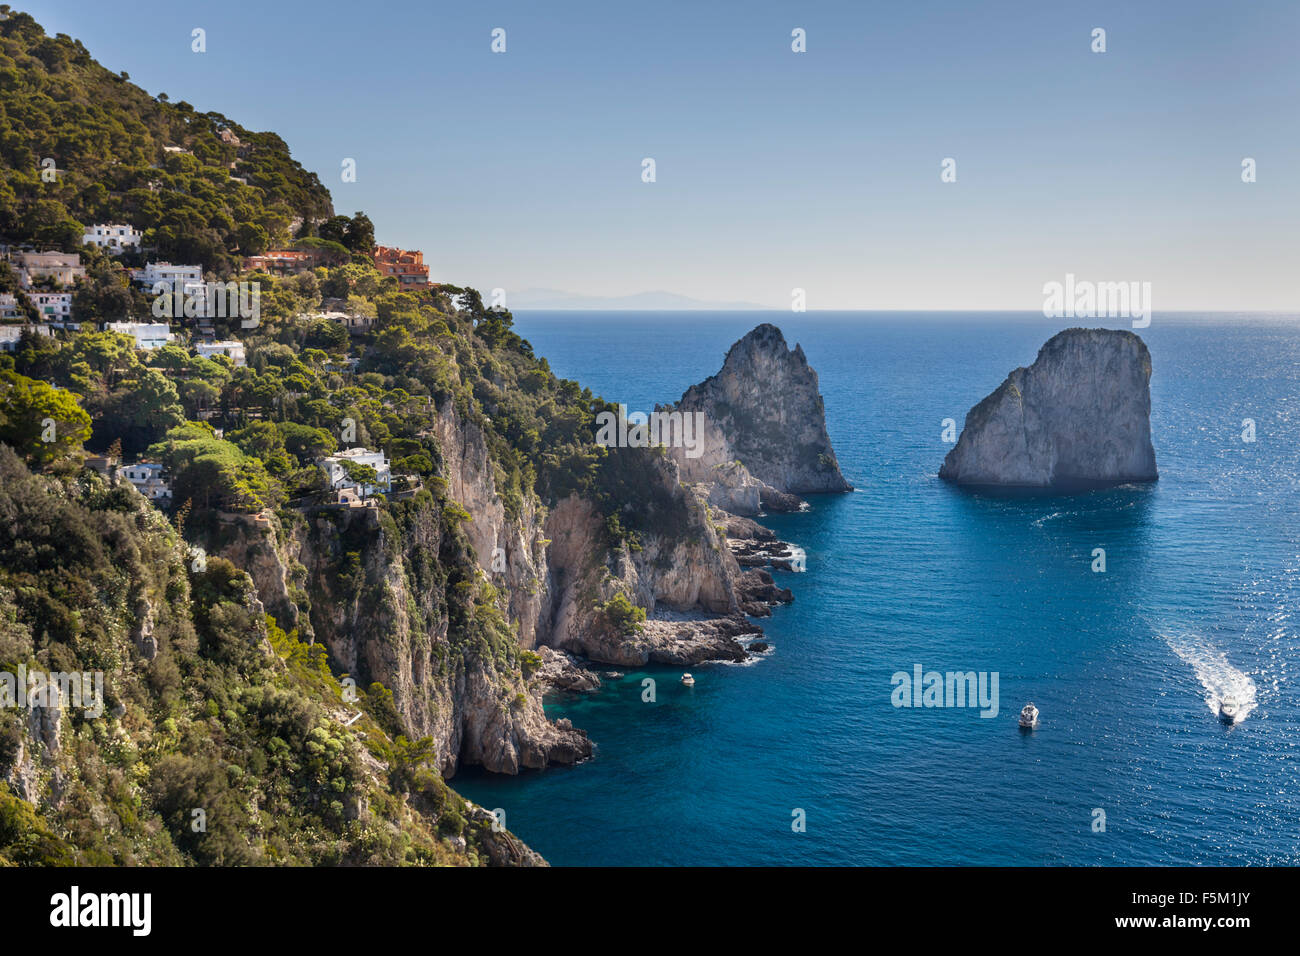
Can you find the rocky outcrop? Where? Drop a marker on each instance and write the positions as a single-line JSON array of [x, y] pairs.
[[378, 585], [501, 846], [764, 439], [679, 643], [759, 593], [509, 550], [258, 545], [1080, 416], [562, 671], [386, 619]]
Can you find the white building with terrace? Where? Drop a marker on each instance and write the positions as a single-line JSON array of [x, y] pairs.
[[184, 278], [53, 306], [147, 335], [336, 471], [114, 237], [232, 349], [147, 476]]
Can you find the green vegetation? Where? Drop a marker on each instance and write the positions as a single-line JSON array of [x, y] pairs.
[[106, 139], [42, 422], [212, 704], [230, 715], [622, 615]]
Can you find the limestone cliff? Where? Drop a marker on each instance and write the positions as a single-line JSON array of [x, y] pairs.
[[139, 684], [382, 587], [379, 602], [1079, 416], [259, 546], [765, 440], [686, 580], [511, 552], [442, 597]]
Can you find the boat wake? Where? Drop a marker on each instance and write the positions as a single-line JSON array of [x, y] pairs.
[[1220, 679], [1039, 522]]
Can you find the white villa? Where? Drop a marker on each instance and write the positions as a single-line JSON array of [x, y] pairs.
[[147, 478], [182, 277], [10, 335], [147, 335], [53, 306], [232, 349], [338, 478], [9, 306], [114, 237]]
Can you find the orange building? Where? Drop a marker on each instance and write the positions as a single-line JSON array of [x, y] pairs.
[[406, 264]]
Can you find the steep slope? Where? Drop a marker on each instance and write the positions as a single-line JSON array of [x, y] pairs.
[[200, 733], [81, 145]]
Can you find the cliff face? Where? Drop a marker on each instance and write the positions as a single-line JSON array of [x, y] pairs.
[[1080, 415], [259, 549], [441, 597], [763, 410], [141, 684], [689, 571], [383, 613], [378, 584], [511, 552]]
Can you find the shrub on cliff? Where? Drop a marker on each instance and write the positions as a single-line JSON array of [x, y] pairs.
[[622, 615]]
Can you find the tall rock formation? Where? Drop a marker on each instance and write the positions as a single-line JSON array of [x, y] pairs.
[[765, 440], [1079, 416]]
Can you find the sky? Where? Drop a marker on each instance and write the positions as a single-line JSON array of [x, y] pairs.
[[774, 170]]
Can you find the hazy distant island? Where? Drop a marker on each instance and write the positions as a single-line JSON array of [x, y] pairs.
[[658, 301], [1078, 417]]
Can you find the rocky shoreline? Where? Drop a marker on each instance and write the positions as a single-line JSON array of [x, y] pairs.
[[572, 594], [764, 403]]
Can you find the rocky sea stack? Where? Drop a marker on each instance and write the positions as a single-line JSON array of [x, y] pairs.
[[765, 440], [1080, 416]]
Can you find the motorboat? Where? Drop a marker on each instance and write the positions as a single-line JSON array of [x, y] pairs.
[[688, 680], [1029, 716], [1228, 710]]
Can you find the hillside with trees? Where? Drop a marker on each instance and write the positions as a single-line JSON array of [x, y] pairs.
[[81, 145], [303, 667]]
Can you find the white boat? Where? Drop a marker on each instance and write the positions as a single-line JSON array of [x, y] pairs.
[[1228, 710], [1029, 715], [688, 680]]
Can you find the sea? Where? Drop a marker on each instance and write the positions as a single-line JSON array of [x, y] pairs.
[[804, 756]]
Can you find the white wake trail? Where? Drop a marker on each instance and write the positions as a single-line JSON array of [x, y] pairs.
[[1219, 678]]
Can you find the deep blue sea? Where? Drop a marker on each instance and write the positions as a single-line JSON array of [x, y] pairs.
[[1198, 601]]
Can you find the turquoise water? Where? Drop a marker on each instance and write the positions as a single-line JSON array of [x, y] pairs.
[[1126, 666]]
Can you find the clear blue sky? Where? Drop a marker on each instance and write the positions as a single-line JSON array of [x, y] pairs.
[[775, 170]]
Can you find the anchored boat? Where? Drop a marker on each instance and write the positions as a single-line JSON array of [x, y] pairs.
[[1029, 716]]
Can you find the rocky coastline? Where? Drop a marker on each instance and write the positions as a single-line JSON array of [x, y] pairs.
[[763, 404]]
